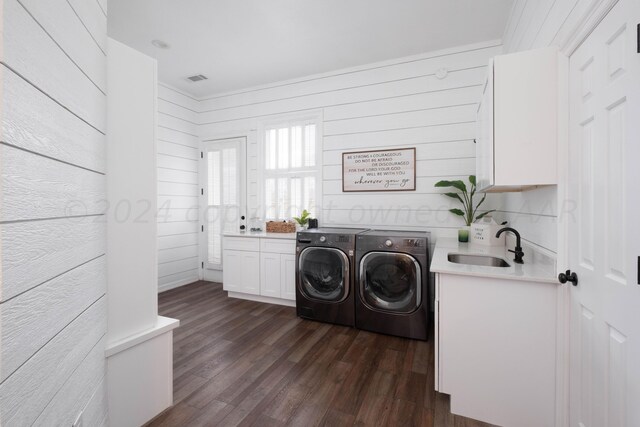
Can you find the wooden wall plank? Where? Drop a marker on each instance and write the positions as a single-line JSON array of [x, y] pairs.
[[178, 266], [401, 137], [56, 133], [96, 411], [179, 176], [79, 389], [178, 188], [38, 187], [61, 22], [52, 156], [31, 53], [29, 390], [178, 150], [92, 17], [170, 94], [31, 319], [37, 251]]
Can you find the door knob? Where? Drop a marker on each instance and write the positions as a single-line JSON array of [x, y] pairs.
[[568, 276]]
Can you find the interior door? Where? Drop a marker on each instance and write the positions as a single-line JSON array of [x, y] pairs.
[[603, 246], [224, 198]]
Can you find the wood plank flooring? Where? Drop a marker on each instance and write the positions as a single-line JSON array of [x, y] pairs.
[[245, 363]]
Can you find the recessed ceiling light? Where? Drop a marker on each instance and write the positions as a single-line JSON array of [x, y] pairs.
[[160, 44]]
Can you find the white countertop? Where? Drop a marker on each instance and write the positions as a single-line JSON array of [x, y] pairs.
[[537, 267], [261, 234]]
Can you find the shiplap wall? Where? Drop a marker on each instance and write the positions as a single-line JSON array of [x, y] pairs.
[[399, 103], [535, 24], [178, 189], [52, 228]]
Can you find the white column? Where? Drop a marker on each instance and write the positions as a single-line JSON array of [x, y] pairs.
[[139, 342]]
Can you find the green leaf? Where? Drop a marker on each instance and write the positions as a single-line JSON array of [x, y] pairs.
[[481, 201], [472, 179], [456, 212], [482, 215], [443, 183], [459, 185], [454, 196]]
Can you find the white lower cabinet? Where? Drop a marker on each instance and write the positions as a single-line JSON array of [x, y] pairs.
[[260, 266], [288, 276], [271, 275], [495, 348], [241, 271]]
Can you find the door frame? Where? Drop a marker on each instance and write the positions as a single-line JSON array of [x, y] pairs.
[[580, 24], [216, 275]]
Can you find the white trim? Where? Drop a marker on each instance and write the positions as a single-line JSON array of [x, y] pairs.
[[584, 25], [259, 298], [163, 325], [181, 92], [562, 310], [177, 284], [382, 64]]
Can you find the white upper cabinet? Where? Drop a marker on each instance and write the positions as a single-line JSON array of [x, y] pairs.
[[517, 120]]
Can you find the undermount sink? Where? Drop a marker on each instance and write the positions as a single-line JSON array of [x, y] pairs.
[[483, 260]]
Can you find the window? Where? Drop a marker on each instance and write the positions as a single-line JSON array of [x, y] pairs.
[[291, 171]]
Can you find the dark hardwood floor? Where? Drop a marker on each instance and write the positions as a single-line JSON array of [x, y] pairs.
[[244, 363]]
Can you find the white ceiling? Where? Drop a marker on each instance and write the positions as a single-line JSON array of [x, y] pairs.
[[243, 43]]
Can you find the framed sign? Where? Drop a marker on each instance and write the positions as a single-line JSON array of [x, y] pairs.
[[379, 170]]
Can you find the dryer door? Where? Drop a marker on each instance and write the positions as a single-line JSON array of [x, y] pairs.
[[324, 274], [390, 282]]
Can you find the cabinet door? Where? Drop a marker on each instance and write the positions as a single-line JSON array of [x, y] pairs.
[[270, 272], [250, 272], [232, 272], [288, 276], [484, 139]]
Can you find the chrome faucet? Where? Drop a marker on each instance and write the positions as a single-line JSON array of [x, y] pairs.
[[518, 248]]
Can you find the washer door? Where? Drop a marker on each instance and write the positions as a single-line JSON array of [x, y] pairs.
[[390, 282], [324, 274]]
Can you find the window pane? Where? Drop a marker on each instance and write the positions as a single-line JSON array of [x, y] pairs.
[[282, 198], [296, 147], [213, 177], [310, 145], [270, 149], [309, 192], [270, 199], [214, 237], [283, 148], [229, 176], [295, 207]]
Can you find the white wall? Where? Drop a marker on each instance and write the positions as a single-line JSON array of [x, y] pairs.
[[534, 24], [52, 227], [178, 190], [398, 103]]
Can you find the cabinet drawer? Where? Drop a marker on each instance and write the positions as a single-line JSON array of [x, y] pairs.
[[279, 246], [241, 243]]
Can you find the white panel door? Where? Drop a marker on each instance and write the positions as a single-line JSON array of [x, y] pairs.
[[223, 193], [603, 247], [250, 273], [232, 276], [288, 276], [270, 270]]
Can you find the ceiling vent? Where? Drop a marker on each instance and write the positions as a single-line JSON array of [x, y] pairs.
[[197, 78]]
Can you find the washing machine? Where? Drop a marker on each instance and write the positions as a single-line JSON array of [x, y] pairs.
[[325, 274], [392, 280]]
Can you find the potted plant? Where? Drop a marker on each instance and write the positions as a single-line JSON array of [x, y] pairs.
[[465, 197], [303, 219]]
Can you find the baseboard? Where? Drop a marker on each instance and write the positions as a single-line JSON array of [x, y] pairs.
[[260, 298], [177, 284]]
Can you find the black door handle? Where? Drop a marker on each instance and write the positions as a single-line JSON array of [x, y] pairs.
[[568, 276]]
